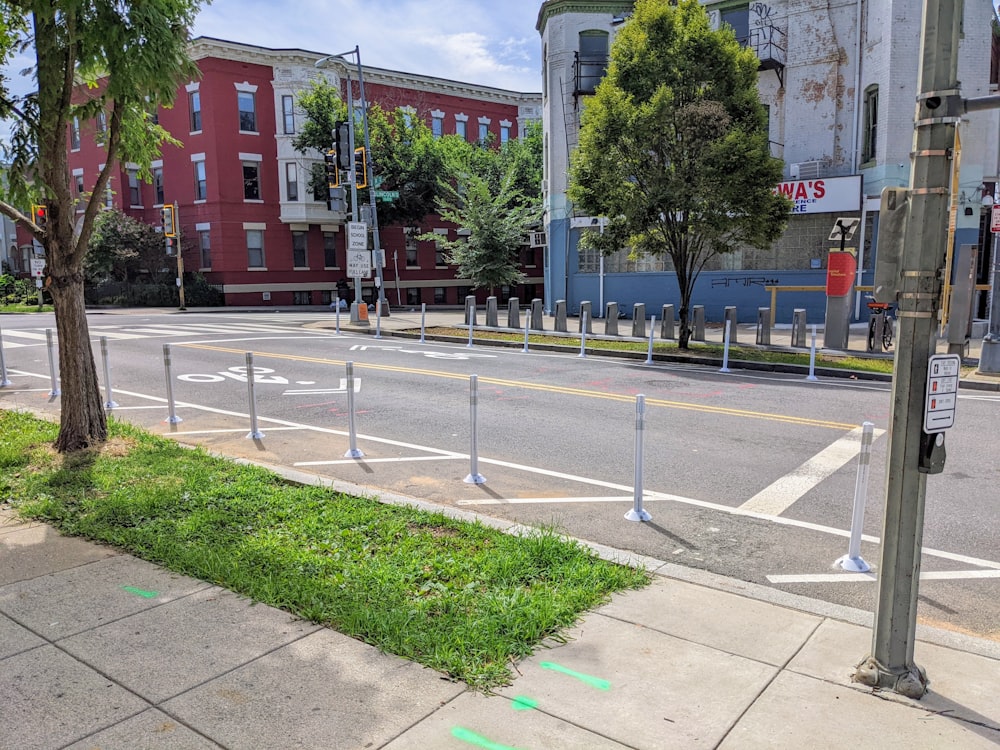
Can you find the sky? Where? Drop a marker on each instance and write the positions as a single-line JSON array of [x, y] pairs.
[[492, 42]]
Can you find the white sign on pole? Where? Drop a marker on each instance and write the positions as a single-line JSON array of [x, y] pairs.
[[942, 392], [357, 235], [359, 264], [995, 218], [37, 267]]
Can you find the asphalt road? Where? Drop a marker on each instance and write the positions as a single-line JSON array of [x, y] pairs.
[[748, 475]]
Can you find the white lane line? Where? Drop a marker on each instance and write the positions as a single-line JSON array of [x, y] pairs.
[[219, 432], [394, 460], [536, 500], [783, 493], [932, 575], [23, 335]]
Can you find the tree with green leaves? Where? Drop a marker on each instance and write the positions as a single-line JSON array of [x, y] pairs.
[[91, 56], [122, 247], [674, 149]]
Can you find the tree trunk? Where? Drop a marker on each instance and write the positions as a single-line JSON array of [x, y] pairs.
[[684, 334], [83, 422]]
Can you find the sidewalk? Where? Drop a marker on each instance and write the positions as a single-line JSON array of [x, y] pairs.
[[101, 650]]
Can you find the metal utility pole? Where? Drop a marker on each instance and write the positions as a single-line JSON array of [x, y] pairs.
[[912, 452]]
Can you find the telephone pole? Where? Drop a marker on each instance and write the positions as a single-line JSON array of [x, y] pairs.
[[912, 452]]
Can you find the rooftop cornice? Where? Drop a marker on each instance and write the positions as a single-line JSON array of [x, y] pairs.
[[597, 7]]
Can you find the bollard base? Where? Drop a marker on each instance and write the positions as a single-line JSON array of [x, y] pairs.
[[354, 453], [475, 479], [638, 515], [173, 420], [853, 564], [811, 377], [724, 369], [55, 392], [255, 435], [5, 383], [109, 405], [910, 681]]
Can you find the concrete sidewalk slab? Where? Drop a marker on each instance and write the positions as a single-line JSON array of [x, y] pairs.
[[164, 651], [30, 551], [324, 690], [150, 730], [15, 638], [640, 687]]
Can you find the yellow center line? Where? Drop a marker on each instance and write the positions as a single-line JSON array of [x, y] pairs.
[[704, 408]]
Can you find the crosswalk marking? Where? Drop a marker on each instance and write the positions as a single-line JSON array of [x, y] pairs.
[[14, 339]]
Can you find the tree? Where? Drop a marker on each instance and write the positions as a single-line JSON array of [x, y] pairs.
[[498, 222], [91, 56], [122, 247], [674, 149]]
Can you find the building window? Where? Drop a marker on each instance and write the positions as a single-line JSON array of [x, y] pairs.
[[739, 20], [440, 252], [461, 130], [109, 197], [194, 103], [292, 181], [301, 298], [504, 134], [484, 132], [74, 134], [255, 248], [134, 195], [592, 60], [288, 113], [200, 181], [329, 250], [205, 245], [78, 179], [463, 292], [247, 101], [299, 259], [101, 125], [439, 298], [411, 247], [158, 185], [437, 126], [870, 114], [251, 180], [413, 296]]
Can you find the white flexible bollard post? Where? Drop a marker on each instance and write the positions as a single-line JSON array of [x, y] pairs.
[[725, 349], [4, 382], [423, 322], [471, 319], [109, 402], [638, 513], [526, 328], [652, 328], [812, 357], [378, 318], [474, 476], [53, 375], [172, 417], [255, 433], [583, 336], [353, 451], [336, 302], [853, 561]]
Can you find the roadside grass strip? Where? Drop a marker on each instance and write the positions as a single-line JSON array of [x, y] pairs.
[[455, 596]]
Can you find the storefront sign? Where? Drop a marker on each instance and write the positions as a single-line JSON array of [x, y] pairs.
[[840, 270], [823, 196]]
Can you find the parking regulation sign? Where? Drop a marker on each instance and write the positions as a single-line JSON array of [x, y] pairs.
[[995, 218], [942, 392]]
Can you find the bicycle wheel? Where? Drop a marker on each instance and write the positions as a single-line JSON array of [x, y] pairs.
[[887, 330], [871, 335]]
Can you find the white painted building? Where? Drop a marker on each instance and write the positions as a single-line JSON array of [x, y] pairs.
[[839, 79]]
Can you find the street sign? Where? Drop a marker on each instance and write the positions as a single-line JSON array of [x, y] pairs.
[[386, 195], [37, 267], [995, 218], [357, 235], [942, 392], [844, 228], [359, 264]]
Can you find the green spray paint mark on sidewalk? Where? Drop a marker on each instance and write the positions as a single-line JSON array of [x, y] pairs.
[[595, 682], [522, 703], [467, 735], [140, 592]]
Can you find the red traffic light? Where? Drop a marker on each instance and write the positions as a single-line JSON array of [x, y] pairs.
[[40, 215]]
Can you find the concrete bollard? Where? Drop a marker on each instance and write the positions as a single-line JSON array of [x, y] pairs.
[[514, 313], [470, 311], [763, 326], [799, 327], [586, 318], [729, 313], [698, 322], [537, 315], [561, 316], [611, 319], [639, 320], [491, 312], [667, 323]]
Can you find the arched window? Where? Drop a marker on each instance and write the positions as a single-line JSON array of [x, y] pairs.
[[591, 60]]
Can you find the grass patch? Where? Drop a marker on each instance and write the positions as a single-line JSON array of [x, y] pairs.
[[459, 597], [21, 308], [736, 352]]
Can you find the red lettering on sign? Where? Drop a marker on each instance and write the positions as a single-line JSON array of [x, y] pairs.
[[819, 189], [840, 271]]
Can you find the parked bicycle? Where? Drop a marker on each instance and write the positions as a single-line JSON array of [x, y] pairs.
[[881, 321]]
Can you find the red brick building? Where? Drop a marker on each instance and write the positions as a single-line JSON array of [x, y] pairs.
[[250, 224]]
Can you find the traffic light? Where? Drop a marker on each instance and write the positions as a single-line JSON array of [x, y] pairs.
[[40, 215], [360, 168], [342, 144], [332, 172], [169, 220]]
